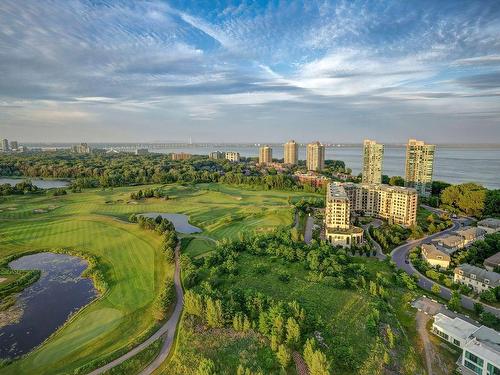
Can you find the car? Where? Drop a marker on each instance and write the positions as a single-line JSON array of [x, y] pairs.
[[407, 261]]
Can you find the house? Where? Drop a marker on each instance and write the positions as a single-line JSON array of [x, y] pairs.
[[480, 345], [477, 278], [434, 256], [471, 234], [492, 262], [449, 243], [490, 225]]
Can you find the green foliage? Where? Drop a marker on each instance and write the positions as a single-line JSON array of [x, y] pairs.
[[488, 296], [214, 316], [468, 199], [135, 364], [436, 289], [24, 187], [292, 332], [397, 181], [164, 300], [206, 367], [479, 250], [455, 301], [284, 356], [193, 303], [492, 203]]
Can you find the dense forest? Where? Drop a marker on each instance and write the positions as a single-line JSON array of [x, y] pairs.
[[101, 170]]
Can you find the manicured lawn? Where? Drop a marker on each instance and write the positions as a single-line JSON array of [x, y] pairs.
[[196, 247], [96, 222]]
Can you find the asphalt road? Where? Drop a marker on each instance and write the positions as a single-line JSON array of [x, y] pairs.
[[400, 254], [167, 331]]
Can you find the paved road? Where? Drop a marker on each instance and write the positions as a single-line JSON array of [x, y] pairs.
[[167, 331], [400, 254], [375, 223], [309, 229]]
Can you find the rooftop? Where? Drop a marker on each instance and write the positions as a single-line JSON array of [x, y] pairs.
[[450, 240], [486, 344], [481, 274], [470, 232], [336, 191], [493, 260], [455, 326], [490, 223], [432, 252]]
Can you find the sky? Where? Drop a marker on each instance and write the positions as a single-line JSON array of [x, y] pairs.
[[250, 71]]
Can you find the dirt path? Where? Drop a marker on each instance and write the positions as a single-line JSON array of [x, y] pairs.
[[300, 365], [422, 320], [167, 331]]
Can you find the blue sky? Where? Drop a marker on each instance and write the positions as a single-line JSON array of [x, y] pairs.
[[250, 71]]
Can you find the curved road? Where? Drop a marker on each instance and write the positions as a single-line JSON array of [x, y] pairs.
[[167, 331], [400, 254]]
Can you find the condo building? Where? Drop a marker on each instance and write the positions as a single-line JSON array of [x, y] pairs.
[[291, 150], [14, 145], [217, 155], [315, 156], [419, 166], [181, 156], [141, 151], [373, 154], [5, 145], [232, 156], [82, 148], [338, 228], [265, 155], [393, 203]]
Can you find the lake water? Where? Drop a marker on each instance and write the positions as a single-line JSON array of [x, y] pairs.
[[453, 164], [42, 184], [46, 304], [180, 221]]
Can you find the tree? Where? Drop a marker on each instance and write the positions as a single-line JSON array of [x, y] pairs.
[[193, 303], [309, 348], [492, 203], [488, 296], [292, 332], [214, 313], [283, 356], [397, 181], [206, 367], [455, 301], [436, 289], [468, 198], [478, 308], [390, 336], [319, 364]]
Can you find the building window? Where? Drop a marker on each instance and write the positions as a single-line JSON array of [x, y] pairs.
[[474, 358], [456, 342], [492, 370], [473, 367]]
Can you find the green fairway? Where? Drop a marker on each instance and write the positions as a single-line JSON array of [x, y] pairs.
[[96, 222], [196, 247]]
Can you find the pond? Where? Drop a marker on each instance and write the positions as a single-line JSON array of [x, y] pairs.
[[180, 221], [46, 304], [42, 184]]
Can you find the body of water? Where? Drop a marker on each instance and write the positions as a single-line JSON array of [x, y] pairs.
[[180, 221], [452, 164], [42, 184], [47, 304]]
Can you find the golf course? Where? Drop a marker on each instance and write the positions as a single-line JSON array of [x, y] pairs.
[[95, 222]]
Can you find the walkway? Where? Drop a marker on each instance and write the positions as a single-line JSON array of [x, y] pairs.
[[309, 229], [375, 223], [167, 331], [400, 257]]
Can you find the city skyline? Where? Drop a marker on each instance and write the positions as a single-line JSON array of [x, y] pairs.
[[158, 71]]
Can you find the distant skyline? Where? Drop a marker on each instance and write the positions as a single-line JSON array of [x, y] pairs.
[[334, 71]]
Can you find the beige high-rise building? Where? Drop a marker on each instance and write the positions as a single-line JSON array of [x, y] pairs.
[[419, 166], [291, 152], [393, 203], [338, 228], [265, 155], [315, 156], [232, 156], [373, 153]]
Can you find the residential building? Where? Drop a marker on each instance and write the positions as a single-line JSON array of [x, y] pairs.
[[493, 262], [419, 166], [14, 145], [315, 157], [217, 155], [393, 203], [265, 155], [477, 278], [490, 225], [180, 156], [291, 153], [5, 145], [232, 156], [480, 344], [449, 243], [82, 148], [141, 151], [338, 228], [434, 256], [373, 153], [470, 235], [312, 179]]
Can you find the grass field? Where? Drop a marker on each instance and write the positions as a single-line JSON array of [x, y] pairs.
[[343, 314], [95, 222]]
